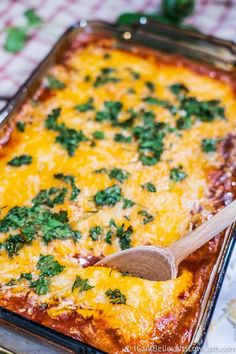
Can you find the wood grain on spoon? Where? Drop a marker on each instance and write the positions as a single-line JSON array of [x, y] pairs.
[[156, 263]]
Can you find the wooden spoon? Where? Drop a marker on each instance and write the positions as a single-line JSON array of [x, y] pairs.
[[157, 263]]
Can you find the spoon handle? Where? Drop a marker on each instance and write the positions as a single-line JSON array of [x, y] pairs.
[[205, 232]]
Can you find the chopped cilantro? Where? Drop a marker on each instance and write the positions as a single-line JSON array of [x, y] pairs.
[[124, 236], [98, 135], [105, 77], [50, 197], [109, 196], [149, 187], [101, 170], [118, 174], [20, 126], [35, 221], [158, 102], [81, 284], [122, 138], [121, 233], [209, 145], [134, 74], [116, 297], [177, 174], [13, 244], [88, 106], [107, 56], [115, 173], [183, 123], [95, 232], [147, 217], [68, 138], [87, 78], [51, 121], [41, 285], [205, 111], [71, 180], [27, 276], [150, 139], [53, 83], [108, 237], [20, 160], [110, 112], [48, 266], [131, 91], [179, 89], [127, 203], [150, 85]]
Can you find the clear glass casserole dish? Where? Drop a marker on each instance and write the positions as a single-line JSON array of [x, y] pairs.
[[169, 40]]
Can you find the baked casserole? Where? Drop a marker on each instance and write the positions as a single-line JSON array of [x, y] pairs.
[[116, 149]]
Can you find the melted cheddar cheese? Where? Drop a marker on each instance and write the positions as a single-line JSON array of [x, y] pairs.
[[171, 205]]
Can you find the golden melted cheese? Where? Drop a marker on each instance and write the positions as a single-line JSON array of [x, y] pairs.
[[171, 205]]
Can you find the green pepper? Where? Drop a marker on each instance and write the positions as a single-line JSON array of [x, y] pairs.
[[131, 18], [177, 10]]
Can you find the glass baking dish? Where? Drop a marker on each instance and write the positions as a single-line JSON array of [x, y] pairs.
[[147, 34]]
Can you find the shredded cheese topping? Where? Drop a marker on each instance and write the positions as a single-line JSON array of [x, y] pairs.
[[169, 205]]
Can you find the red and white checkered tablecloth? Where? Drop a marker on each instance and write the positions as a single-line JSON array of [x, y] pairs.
[[211, 16]]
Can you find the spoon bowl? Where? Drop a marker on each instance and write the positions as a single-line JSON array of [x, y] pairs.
[[157, 263], [147, 262]]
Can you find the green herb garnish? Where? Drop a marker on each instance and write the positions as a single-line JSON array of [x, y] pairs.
[[98, 135], [48, 266], [13, 244], [20, 160], [109, 196], [116, 297], [149, 187], [124, 236], [70, 180], [50, 197], [134, 74], [147, 217], [179, 90], [31, 222], [88, 106], [81, 284], [209, 145], [23, 276], [95, 232], [184, 123], [110, 112], [20, 126], [68, 138], [150, 85], [122, 138], [105, 77], [41, 285], [158, 102], [177, 174], [118, 174], [127, 203], [53, 83], [150, 138]]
